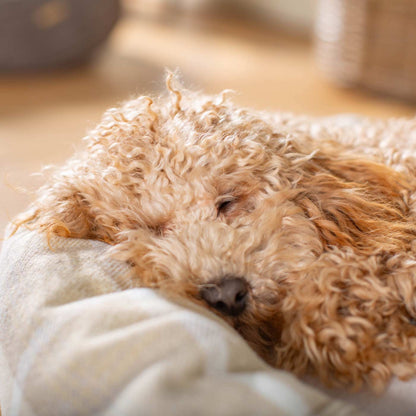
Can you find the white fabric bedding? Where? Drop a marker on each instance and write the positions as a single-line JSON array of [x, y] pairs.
[[72, 343], [398, 400]]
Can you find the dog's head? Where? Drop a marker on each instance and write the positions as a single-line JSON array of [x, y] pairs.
[[242, 213]]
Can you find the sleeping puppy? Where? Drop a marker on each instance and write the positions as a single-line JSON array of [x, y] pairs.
[[300, 234]]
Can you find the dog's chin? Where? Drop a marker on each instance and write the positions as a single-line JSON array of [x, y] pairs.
[[263, 337], [260, 323]]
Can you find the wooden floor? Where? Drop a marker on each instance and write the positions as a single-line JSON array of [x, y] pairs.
[[43, 116]]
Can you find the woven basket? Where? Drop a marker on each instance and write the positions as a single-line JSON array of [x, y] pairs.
[[38, 34], [369, 43]]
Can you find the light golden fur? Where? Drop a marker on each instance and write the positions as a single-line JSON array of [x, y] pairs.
[[319, 219]]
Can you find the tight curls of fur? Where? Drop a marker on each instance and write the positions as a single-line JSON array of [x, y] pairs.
[[318, 220]]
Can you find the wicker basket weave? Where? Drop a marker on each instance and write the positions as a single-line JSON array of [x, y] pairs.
[[369, 43]]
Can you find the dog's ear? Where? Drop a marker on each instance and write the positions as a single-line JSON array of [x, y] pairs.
[[97, 192], [356, 203]]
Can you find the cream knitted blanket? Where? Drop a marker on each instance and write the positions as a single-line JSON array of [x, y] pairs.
[[73, 343]]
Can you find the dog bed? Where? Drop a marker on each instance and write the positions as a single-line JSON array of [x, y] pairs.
[[73, 343]]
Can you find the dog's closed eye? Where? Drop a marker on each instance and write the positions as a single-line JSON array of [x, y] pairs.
[[160, 229], [225, 205]]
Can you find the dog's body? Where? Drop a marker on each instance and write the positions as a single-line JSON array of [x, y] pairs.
[[271, 221]]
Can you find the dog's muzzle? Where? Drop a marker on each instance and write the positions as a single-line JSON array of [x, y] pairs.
[[229, 296]]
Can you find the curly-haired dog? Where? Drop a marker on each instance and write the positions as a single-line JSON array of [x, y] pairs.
[[271, 221]]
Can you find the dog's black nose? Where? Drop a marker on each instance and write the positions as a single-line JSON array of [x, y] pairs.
[[229, 296]]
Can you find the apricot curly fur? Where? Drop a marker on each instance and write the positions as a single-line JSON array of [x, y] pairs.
[[320, 221]]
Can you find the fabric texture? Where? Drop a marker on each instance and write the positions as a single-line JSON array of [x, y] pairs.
[[73, 343]]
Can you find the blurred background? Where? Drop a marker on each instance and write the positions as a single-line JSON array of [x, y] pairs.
[[63, 62]]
